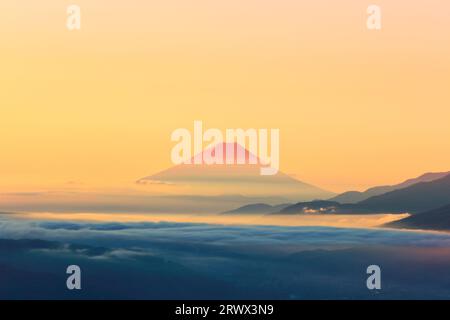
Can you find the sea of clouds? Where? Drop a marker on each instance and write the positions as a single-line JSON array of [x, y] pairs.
[[169, 260]]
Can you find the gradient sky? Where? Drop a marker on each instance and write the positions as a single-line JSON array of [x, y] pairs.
[[96, 107]]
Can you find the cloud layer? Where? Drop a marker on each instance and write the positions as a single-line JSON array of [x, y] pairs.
[[190, 261]]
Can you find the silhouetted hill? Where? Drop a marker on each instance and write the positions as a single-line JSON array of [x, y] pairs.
[[437, 219], [419, 197], [357, 196], [258, 208]]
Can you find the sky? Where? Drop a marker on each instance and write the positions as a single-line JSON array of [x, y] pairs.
[[96, 107]]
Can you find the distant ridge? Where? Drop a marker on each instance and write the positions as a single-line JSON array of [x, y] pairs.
[[437, 219], [258, 208], [356, 196], [419, 197]]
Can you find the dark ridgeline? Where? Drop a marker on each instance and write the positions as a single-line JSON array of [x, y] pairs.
[[422, 196], [258, 208], [420, 199], [357, 196], [437, 219]]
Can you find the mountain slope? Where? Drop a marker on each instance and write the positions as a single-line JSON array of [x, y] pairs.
[[356, 196], [258, 208], [437, 219], [244, 179], [419, 197]]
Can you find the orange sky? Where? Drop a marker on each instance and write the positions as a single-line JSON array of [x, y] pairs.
[[96, 107]]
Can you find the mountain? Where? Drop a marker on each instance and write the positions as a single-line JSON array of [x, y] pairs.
[[258, 208], [419, 197], [437, 219], [244, 179], [356, 196]]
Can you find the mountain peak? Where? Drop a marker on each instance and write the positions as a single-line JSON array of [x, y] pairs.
[[231, 153], [233, 176]]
